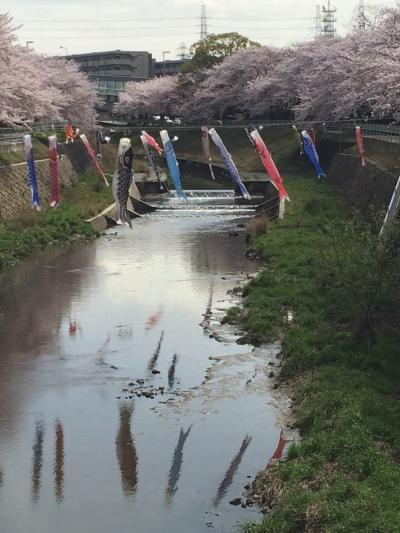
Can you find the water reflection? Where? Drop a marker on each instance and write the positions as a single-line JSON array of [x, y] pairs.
[[153, 320], [278, 452], [176, 466], [1, 478], [37, 461], [35, 297], [126, 451], [207, 315], [171, 372], [230, 473], [153, 361], [59, 462]]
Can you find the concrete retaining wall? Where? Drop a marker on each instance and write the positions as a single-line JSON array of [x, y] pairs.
[[363, 187], [15, 194]]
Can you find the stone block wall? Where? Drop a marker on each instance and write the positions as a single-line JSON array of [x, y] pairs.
[[15, 193]]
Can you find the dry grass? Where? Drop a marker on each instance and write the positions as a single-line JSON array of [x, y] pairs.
[[258, 225]]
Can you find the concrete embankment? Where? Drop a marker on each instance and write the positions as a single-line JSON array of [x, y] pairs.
[[364, 188], [15, 195]]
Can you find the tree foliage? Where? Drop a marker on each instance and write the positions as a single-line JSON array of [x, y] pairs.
[[362, 268], [215, 48]]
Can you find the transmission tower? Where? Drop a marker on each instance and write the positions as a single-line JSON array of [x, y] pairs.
[[203, 26], [361, 19], [183, 52], [329, 20], [318, 22]]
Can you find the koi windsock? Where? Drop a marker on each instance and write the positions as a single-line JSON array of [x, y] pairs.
[[271, 170], [151, 142], [206, 147], [32, 178], [172, 163], [230, 165], [53, 163], [393, 208], [69, 133], [310, 150], [360, 144], [93, 157], [313, 136], [299, 139], [122, 180], [150, 156]]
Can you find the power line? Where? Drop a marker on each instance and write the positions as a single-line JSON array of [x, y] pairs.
[[75, 21]]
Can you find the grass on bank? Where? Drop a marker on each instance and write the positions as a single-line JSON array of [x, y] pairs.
[[32, 231], [342, 360]]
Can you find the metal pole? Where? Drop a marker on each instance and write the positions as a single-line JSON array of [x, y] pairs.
[[163, 56]]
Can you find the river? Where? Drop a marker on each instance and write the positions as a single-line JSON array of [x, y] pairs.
[[125, 406]]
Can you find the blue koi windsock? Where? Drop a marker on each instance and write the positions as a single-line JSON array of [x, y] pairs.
[[172, 163], [230, 165], [32, 178], [310, 150]]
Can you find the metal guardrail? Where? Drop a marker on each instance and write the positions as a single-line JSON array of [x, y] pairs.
[[384, 132], [12, 138]]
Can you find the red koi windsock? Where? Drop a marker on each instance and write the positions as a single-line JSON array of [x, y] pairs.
[[313, 136], [53, 164], [151, 142], [93, 157], [360, 144], [271, 170]]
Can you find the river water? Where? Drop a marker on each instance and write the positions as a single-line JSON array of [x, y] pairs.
[[124, 405]]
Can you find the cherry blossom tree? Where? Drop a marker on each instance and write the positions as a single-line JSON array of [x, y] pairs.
[[158, 96], [223, 88], [35, 88]]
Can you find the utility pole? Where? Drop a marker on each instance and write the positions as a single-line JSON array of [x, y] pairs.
[[28, 43], [318, 22], [329, 20], [361, 19], [163, 59], [203, 26]]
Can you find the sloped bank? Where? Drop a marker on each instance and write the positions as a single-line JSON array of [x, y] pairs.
[[28, 231], [344, 475]]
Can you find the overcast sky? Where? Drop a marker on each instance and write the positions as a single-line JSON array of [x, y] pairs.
[[156, 25]]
